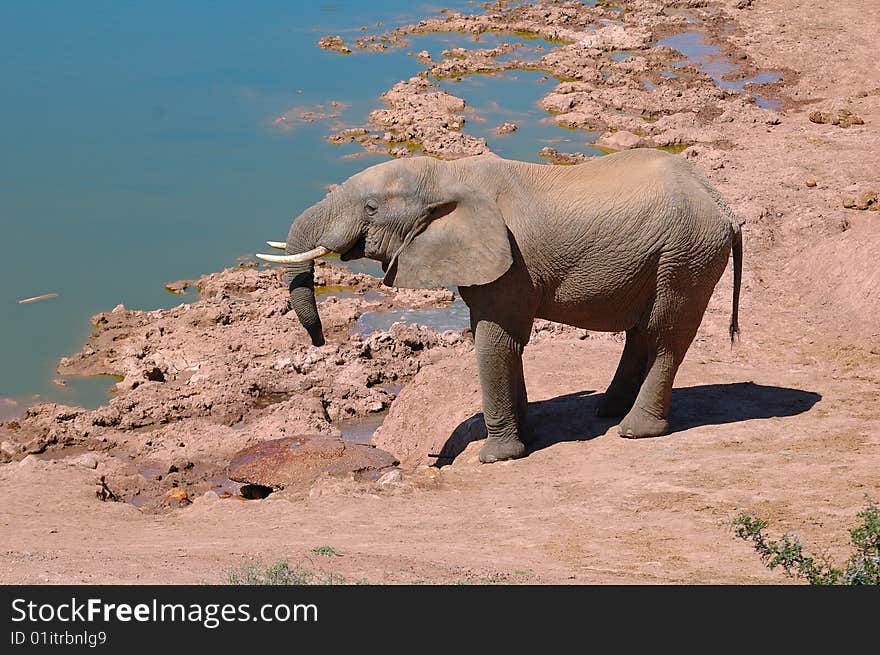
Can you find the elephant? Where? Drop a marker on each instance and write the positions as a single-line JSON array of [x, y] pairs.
[[632, 242]]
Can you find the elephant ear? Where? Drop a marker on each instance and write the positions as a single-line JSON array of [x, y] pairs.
[[459, 243]]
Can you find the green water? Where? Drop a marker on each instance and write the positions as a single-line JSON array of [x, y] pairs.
[[139, 148]]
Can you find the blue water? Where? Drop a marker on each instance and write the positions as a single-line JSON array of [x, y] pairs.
[[140, 147], [708, 59], [455, 317], [512, 96]]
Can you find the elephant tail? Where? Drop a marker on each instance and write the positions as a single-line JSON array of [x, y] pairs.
[[737, 279]]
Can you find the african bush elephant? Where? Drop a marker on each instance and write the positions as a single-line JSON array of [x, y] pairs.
[[634, 241]]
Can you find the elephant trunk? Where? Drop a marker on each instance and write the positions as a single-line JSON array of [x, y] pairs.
[[300, 277]]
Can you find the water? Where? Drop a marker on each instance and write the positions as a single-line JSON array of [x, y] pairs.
[[512, 96], [140, 148], [361, 430], [455, 317], [709, 60]]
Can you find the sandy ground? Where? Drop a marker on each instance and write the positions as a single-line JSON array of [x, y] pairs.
[[786, 425]]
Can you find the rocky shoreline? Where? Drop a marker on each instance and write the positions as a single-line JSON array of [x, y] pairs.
[[200, 381], [612, 78]]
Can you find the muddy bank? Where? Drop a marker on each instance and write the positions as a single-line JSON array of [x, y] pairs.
[[615, 76], [200, 381]]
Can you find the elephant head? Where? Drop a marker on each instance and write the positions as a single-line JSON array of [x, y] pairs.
[[428, 222]]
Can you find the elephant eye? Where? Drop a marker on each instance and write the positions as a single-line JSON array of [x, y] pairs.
[[371, 207]]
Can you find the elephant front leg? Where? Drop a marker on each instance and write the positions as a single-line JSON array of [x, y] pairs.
[[499, 359]]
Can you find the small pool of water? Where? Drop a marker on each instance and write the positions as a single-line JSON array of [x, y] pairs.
[[361, 430], [512, 97], [708, 58], [454, 317], [623, 55]]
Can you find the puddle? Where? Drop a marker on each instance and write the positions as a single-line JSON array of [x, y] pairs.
[[272, 398], [512, 97], [454, 317], [708, 59], [361, 430], [63, 453], [224, 487], [623, 55], [138, 500], [335, 290]]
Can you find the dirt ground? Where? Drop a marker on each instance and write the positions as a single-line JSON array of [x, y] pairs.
[[785, 425]]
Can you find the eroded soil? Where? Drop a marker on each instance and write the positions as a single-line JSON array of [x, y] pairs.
[[785, 425]]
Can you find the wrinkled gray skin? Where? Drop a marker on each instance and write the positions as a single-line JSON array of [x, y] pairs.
[[633, 241]]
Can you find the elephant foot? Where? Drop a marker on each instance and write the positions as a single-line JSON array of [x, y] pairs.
[[639, 424], [614, 405], [497, 450]]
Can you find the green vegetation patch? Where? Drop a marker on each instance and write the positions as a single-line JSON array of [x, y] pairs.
[[675, 148], [280, 573], [862, 568]]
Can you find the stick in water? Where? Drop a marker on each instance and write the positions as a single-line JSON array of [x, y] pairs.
[[45, 296]]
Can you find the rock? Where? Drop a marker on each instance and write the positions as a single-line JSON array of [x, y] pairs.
[[620, 140], [506, 128], [865, 200], [810, 182], [181, 465], [842, 118], [180, 286], [348, 135], [298, 461], [393, 477], [424, 57], [30, 460], [336, 43], [86, 460], [418, 113], [8, 449], [400, 151], [177, 496], [563, 158]]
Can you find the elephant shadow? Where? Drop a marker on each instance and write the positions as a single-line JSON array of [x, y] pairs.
[[572, 417]]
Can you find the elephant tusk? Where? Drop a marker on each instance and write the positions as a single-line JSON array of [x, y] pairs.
[[279, 245], [320, 251]]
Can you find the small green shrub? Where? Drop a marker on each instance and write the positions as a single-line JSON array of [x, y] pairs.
[[280, 573], [326, 551], [862, 568]]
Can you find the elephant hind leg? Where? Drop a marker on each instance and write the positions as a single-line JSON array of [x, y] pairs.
[[621, 393], [649, 416], [671, 328]]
